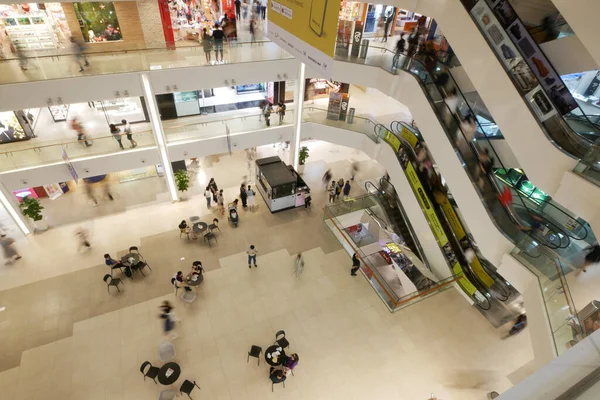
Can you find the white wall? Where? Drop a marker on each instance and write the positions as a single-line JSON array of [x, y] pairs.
[[568, 55], [582, 17], [578, 195]]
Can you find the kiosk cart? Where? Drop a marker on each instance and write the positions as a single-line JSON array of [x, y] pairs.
[[280, 186]]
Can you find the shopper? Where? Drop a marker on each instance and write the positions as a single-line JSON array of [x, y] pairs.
[[326, 178], [339, 186], [8, 248], [307, 200], [213, 188], [252, 256], [263, 9], [486, 163], [82, 236], [353, 170], [22, 58], [292, 361], [106, 190], [451, 101], [166, 314], [252, 28], [400, 46], [221, 202], [238, 6], [519, 325], [332, 190], [468, 127], [298, 265], [281, 107], [243, 195], [386, 28], [355, 265], [207, 44], [89, 191], [267, 113], [250, 194], [116, 133], [78, 50], [218, 35], [276, 375], [112, 263], [592, 256], [78, 127], [346, 190], [208, 195], [244, 10], [127, 130]]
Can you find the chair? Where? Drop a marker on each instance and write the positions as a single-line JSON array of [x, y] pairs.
[[194, 219], [166, 351], [255, 351], [168, 394], [214, 225], [273, 384], [210, 236], [173, 280], [118, 266], [110, 281], [140, 266], [151, 373], [188, 297], [281, 341], [187, 387]]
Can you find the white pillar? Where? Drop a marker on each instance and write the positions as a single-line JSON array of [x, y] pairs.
[[298, 104], [159, 135], [11, 204]]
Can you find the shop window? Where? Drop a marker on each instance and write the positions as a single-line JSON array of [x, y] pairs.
[[98, 21], [10, 128]]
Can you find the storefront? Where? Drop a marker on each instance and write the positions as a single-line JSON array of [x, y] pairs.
[[316, 88], [11, 127], [585, 88], [33, 26], [188, 18], [98, 21]]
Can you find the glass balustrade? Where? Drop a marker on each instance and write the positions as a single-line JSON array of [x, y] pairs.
[[65, 65], [589, 166]]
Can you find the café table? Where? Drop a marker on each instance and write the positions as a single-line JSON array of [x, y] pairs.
[[135, 259], [274, 355], [191, 282], [200, 227], [169, 373]]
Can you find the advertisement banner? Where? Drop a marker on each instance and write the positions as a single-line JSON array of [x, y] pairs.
[[69, 164], [357, 38], [344, 108], [392, 140], [307, 29], [410, 137], [538, 64], [335, 104]]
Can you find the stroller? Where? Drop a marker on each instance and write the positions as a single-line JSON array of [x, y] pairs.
[[233, 216]]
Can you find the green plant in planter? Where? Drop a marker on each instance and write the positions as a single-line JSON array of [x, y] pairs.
[[182, 180], [31, 207], [303, 155]]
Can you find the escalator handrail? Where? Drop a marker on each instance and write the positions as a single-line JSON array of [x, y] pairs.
[[485, 137], [406, 220]]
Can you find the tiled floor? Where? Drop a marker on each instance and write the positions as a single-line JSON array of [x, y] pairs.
[[63, 336]]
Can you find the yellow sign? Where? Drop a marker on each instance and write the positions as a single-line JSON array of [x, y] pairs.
[[392, 140], [305, 28], [410, 137]]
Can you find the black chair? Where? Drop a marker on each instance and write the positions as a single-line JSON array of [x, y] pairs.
[[214, 225], [273, 384], [281, 340], [110, 281], [173, 280], [136, 250], [151, 373], [118, 266], [187, 387], [140, 266], [255, 351], [210, 236]]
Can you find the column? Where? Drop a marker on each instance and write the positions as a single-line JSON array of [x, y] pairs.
[[159, 135], [11, 204], [298, 104]]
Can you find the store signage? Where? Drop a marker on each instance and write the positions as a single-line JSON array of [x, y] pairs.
[[344, 106], [69, 164], [357, 38], [335, 104], [392, 140], [307, 29], [515, 46]]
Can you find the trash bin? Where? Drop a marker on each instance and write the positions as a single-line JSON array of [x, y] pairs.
[[351, 112], [364, 47]]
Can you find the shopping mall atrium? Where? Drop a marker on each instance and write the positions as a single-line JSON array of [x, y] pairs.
[[261, 199]]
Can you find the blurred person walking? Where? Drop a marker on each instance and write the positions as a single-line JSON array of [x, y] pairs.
[[82, 236], [78, 127], [332, 191], [339, 186], [166, 314], [8, 248], [298, 265], [451, 101], [346, 190], [106, 190], [23, 61], [221, 202], [400, 46], [386, 28], [592, 257], [307, 200], [116, 133], [78, 50], [238, 6], [207, 45], [89, 191], [326, 178], [243, 195], [213, 188], [127, 130], [281, 107], [263, 9], [267, 112], [244, 10]]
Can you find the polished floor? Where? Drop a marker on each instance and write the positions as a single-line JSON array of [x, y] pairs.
[[64, 337]]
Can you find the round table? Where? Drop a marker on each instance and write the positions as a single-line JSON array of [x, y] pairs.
[[269, 355], [175, 371], [126, 257], [200, 227], [191, 282]]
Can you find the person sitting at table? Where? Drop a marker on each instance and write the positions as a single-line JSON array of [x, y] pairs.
[[291, 361], [197, 268], [184, 228], [180, 281], [277, 375], [112, 263]]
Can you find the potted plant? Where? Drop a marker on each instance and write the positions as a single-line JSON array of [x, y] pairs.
[[302, 156], [182, 180], [31, 207]]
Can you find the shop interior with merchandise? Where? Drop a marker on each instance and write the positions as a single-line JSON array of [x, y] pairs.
[[38, 28], [190, 17]]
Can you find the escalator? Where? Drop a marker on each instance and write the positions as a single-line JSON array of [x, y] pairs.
[[548, 98], [394, 213]]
